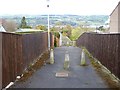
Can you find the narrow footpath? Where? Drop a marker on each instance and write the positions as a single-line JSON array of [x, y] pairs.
[[78, 76]]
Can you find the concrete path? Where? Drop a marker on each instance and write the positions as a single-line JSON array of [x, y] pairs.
[[79, 76]]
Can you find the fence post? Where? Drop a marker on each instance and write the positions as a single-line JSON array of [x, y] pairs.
[[0, 61]]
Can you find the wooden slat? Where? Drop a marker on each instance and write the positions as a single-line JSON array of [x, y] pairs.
[[0, 61], [104, 47], [18, 51]]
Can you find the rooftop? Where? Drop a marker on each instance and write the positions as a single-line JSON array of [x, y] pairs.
[[2, 29]]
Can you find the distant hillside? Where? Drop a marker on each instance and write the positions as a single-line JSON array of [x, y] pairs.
[[73, 20]]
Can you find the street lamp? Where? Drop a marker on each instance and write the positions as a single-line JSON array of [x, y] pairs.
[[48, 24]]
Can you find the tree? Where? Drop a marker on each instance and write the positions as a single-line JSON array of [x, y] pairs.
[[41, 27], [53, 29], [23, 23], [101, 28], [67, 29], [58, 23]]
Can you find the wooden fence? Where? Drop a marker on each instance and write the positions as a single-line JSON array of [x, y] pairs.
[[105, 48], [17, 51]]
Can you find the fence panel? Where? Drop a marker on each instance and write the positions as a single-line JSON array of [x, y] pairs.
[[0, 61], [33, 46], [11, 57], [105, 48], [18, 51]]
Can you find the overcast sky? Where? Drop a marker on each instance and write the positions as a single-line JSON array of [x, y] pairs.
[[79, 7]]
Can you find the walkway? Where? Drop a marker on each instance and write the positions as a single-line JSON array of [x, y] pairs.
[[79, 76]]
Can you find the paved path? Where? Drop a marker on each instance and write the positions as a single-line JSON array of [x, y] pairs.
[[79, 76]]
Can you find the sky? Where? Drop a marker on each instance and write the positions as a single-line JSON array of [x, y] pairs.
[[75, 7]]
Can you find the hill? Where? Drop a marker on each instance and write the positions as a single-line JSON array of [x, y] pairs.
[[73, 20]]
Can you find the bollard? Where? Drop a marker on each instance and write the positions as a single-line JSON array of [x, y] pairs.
[[74, 43], [51, 57], [67, 61], [67, 43], [83, 61]]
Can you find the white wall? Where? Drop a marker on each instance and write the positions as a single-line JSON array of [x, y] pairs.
[[119, 18], [114, 21]]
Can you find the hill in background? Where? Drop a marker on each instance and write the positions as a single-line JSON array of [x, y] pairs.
[[73, 20]]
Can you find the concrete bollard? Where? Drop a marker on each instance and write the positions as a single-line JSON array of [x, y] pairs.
[[74, 43], [67, 43], [51, 57], [83, 61], [67, 61]]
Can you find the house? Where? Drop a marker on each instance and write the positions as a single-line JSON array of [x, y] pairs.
[[1, 27], [28, 30], [8, 25], [115, 20]]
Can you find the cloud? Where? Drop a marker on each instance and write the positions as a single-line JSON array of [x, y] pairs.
[[82, 7]]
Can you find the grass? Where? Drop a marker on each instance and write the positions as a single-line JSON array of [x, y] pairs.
[[78, 31], [105, 74]]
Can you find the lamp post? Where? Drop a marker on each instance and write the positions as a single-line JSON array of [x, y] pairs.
[[48, 24]]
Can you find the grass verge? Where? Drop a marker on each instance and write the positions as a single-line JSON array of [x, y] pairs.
[[112, 81], [34, 66]]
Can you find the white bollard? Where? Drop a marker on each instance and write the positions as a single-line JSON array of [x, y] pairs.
[[83, 61], [51, 57], [67, 43], [74, 43], [67, 61]]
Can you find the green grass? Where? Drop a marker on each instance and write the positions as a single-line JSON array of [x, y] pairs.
[[78, 31], [105, 74]]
